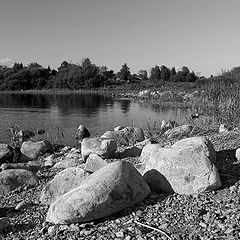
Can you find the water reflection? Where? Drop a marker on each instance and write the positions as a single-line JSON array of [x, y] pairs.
[[65, 111], [125, 105], [67, 103]]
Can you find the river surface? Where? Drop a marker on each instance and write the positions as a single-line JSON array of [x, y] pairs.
[[60, 114]]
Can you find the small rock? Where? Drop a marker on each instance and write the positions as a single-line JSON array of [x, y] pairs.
[[65, 149], [118, 128], [202, 224], [52, 159], [82, 133], [238, 154], [4, 222], [21, 205], [103, 147], [75, 150], [233, 188], [119, 234], [94, 162], [34, 149], [52, 230], [74, 228], [223, 128]]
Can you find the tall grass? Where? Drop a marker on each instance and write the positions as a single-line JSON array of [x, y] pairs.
[[221, 98]]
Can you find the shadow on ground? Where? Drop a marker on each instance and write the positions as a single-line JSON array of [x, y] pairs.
[[228, 167]]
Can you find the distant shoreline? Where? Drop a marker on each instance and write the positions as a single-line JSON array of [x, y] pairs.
[[63, 91]]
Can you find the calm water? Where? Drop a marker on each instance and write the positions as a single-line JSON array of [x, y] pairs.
[[57, 113]]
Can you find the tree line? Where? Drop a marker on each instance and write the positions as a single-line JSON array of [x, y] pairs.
[[85, 75]]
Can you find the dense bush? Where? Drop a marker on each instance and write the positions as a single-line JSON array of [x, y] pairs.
[[85, 76]]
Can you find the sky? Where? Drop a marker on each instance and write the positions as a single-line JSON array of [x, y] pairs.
[[200, 34]]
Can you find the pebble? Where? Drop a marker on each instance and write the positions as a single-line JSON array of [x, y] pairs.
[[233, 188], [21, 205], [52, 230], [119, 234]]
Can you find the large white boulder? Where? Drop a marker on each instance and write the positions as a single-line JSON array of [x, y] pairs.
[[186, 168], [105, 148], [112, 188], [62, 183]]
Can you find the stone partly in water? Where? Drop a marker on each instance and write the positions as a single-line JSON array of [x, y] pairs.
[[24, 135], [112, 188], [186, 168], [62, 183], [82, 132], [6, 153], [33, 149], [14, 178], [105, 148]]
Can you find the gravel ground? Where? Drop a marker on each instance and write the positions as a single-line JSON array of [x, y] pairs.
[[210, 215]]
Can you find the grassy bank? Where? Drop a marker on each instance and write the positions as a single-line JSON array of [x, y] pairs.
[[218, 97]]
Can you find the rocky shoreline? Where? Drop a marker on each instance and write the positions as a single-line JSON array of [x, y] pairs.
[[210, 214]]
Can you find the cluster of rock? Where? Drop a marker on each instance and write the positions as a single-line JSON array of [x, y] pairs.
[[168, 95], [160, 95], [96, 180]]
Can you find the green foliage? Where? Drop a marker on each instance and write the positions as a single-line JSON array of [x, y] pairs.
[[165, 73], [155, 73], [87, 75], [124, 73], [142, 74]]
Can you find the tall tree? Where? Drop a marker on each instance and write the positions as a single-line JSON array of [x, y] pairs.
[[17, 67], [125, 73], [165, 73], [155, 73]]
